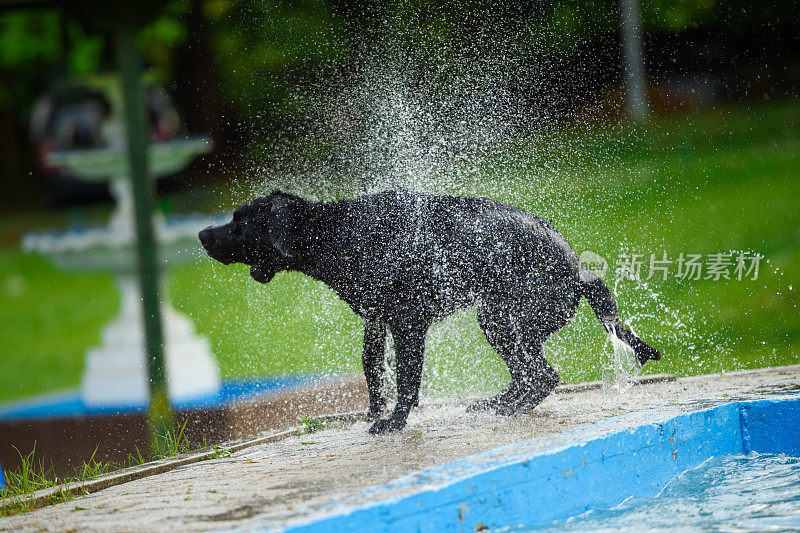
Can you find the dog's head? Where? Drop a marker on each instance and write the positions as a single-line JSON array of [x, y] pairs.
[[264, 234]]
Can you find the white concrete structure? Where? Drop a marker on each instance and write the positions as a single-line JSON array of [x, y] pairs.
[[116, 370]]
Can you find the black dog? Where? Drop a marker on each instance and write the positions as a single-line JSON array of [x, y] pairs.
[[403, 260]]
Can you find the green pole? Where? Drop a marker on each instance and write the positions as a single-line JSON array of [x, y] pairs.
[[160, 413], [633, 59]]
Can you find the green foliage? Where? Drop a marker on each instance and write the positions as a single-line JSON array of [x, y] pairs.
[[266, 53], [32, 45], [83, 57], [663, 15], [37, 44], [536, 30], [28, 37], [269, 50], [159, 39], [310, 424]]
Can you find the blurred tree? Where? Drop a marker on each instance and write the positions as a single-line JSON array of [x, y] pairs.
[[245, 68], [31, 43], [262, 50], [39, 49], [196, 81], [269, 51]]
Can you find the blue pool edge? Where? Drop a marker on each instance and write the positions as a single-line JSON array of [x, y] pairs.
[[70, 403], [538, 481]]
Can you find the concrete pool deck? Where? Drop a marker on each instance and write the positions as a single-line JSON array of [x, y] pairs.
[[283, 482]]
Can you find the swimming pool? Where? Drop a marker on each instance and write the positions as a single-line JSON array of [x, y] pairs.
[[743, 492], [537, 482]]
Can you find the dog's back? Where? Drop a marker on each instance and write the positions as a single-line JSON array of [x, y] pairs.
[[443, 251]]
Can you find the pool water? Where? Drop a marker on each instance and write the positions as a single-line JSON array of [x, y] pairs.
[[743, 493]]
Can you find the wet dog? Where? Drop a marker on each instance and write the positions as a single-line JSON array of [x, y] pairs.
[[403, 260]]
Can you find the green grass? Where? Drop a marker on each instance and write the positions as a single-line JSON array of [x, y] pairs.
[[48, 319], [30, 476], [33, 473], [171, 443], [709, 182], [310, 424], [220, 452]]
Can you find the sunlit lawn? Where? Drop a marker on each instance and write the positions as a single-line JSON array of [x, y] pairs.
[[719, 181]]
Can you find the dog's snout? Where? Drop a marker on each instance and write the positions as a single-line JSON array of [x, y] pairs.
[[205, 235]]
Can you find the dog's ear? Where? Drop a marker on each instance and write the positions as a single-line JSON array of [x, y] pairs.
[[285, 217]]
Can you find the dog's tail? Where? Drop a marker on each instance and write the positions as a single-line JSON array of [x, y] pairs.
[[605, 307]]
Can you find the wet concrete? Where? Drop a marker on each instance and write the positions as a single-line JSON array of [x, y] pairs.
[[276, 483]]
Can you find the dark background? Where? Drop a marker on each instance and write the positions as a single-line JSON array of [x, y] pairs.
[[246, 72]]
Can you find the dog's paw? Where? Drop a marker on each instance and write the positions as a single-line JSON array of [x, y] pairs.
[[482, 405], [387, 425], [504, 409], [374, 414], [531, 401], [500, 404]]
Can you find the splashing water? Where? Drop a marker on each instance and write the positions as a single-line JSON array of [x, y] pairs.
[[745, 493], [395, 127], [443, 119], [625, 368]]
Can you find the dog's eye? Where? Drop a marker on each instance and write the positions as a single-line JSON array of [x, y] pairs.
[[237, 230]]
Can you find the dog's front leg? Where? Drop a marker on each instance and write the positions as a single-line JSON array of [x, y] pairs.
[[372, 359], [410, 345]]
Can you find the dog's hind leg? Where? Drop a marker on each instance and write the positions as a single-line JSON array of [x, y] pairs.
[[410, 346], [537, 380], [373, 361], [532, 377]]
